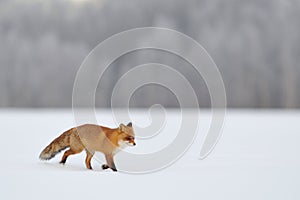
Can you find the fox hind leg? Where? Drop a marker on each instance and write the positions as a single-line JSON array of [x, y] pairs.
[[88, 159], [68, 153], [65, 156]]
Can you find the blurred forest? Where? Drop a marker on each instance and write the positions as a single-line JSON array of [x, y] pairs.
[[255, 44]]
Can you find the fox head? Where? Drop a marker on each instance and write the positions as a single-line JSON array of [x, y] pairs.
[[126, 136]]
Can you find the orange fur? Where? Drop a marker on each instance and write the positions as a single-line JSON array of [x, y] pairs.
[[91, 138]]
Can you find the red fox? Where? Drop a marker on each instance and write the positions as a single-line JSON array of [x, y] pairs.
[[91, 138]]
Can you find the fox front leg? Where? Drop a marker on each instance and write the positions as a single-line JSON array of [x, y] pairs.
[[110, 163]]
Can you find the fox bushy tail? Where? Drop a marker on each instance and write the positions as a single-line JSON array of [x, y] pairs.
[[57, 145]]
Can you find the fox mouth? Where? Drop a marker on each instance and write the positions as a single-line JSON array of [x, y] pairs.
[[126, 143], [131, 144]]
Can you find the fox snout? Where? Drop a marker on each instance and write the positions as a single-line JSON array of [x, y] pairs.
[[133, 143]]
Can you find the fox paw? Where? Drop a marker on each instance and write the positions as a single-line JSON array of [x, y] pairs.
[[105, 166], [62, 162]]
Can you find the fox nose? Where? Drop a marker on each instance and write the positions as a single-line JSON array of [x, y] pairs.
[[134, 144]]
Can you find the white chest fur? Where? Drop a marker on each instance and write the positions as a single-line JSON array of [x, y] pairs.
[[122, 146]]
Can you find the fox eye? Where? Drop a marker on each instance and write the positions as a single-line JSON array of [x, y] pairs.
[[130, 138]]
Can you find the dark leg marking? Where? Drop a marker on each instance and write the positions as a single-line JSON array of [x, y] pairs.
[[110, 162], [105, 166]]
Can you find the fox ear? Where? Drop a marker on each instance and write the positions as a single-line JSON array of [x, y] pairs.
[[122, 127], [129, 124]]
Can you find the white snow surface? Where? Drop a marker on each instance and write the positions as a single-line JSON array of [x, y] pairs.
[[257, 157]]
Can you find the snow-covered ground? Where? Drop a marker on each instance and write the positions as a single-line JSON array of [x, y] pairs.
[[257, 157]]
